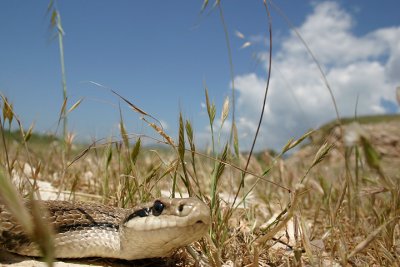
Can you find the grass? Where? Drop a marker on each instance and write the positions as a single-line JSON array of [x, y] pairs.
[[329, 203], [351, 207]]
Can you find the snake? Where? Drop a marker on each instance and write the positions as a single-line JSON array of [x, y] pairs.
[[84, 229]]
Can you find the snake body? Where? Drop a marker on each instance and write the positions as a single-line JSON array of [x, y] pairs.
[[154, 229]]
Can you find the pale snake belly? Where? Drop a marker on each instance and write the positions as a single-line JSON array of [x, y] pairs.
[[154, 229]]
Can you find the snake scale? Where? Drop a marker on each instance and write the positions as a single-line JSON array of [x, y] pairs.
[[154, 229]]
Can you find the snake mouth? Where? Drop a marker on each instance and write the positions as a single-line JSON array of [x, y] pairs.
[[169, 214]]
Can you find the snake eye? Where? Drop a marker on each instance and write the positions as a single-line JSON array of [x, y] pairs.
[[180, 208], [158, 208]]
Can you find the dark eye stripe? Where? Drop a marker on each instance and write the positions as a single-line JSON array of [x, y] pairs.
[[138, 213], [155, 210]]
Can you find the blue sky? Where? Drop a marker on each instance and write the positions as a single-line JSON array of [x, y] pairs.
[[158, 54]]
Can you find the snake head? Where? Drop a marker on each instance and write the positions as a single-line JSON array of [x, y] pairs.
[[162, 226]]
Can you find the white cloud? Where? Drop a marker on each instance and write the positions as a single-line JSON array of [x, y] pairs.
[[355, 66]]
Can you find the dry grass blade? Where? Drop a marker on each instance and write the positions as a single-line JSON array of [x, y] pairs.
[[235, 140], [14, 203], [130, 104], [363, 244], [161, 132], [124, 134], [210, 108], [279, 223], [263, 105], [189, 131], [190, 136], [34, 226], [3, 139], [204, 6], [243, 170], [211, 111], [135, 151], [319, 157], [8, 113], [43, 234], [109, 155], [321, 153], [292, 144], [293, 28], [282, 218], [306, 241], [181, 142], [218, 170], [221, 166], [135, 108], [231, 69], [81, 154], [55, 23], [225, 110], [62, 111], [339, 202], [28, 134], [181, 152], [74, 106], [386, 254]]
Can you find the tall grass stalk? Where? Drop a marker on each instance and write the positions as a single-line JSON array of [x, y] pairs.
[[322, 73], [231, 69], [181, 154], [55, 23], [211, 111], [241, 186]]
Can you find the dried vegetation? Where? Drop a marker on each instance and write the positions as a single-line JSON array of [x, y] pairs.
[[335, 201]]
